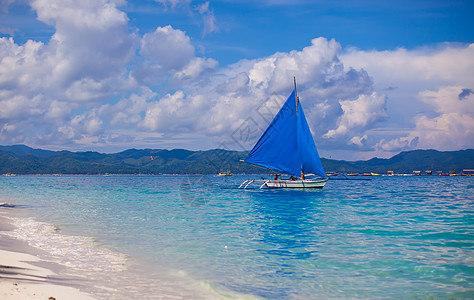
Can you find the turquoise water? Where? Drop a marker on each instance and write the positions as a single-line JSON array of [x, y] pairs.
[[200, 237]]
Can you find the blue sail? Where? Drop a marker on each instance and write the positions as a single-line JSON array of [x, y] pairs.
[[277, 148], [287, 145], [309, 157]]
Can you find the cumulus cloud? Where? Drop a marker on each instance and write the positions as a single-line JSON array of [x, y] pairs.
[[169, 51], [359, 114], [449, 125], [253, 91], [48, 90], [428, 92], [339, 102], [82, 63], [176, 113], [91, 39], [58, 82], [196, 67], [427, 66], [453, 127], [169, 48], [89, 48], [128, 110], [396, 144]]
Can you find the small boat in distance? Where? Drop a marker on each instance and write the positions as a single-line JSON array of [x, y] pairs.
[[287, 146], [224, 174]]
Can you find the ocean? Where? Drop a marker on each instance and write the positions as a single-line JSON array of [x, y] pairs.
[[200, 237]]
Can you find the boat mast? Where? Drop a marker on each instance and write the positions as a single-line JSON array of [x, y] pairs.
[[296, 96], [297, 102]]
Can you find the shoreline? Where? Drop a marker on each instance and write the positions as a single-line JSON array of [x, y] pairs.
[[24, 275], [37, 261]]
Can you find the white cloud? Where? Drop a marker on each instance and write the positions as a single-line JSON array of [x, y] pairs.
[[396, 144], [359, 114], [175, 113], [84, 61], [86, 124], [10, 133], [52, 88], [452, 128], [91, 14], [359, 140], [195, 68], [168, 51], [81, 128], [58, 111], [22, 67], [448, 100], [208, 18], [92, 38], [428, 98], [236, 93], [128, 110], [91, 43], [174, 3], [87, 89], [314, 64], [170, 48], [427, 66], [227, 97]]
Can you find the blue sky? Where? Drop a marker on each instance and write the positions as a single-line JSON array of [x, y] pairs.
[[375, 77], [253, 29]]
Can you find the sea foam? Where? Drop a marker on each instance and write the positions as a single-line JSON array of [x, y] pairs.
[[78, 252]]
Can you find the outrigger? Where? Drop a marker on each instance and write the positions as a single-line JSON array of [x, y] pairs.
[[285, 183]]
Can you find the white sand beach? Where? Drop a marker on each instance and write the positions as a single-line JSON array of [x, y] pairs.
[[21, 279], [38, 262], [23, 275]]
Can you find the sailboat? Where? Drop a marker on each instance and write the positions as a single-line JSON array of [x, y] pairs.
[[287, 146]]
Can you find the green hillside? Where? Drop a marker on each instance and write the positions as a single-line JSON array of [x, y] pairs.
[[20, 159]]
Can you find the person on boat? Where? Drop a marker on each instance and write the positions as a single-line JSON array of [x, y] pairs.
[[276, 177], [292, 178]]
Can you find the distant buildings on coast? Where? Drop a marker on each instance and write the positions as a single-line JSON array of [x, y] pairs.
[[465, 172]]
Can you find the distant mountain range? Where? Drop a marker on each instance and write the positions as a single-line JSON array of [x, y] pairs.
[[20, 159]]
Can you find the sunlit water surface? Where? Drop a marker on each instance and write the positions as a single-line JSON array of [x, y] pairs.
[[199, 237]]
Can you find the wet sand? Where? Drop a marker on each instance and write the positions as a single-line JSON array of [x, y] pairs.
[[23, 275]]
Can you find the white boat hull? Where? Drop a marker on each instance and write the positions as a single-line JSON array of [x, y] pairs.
[[296, 184]]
